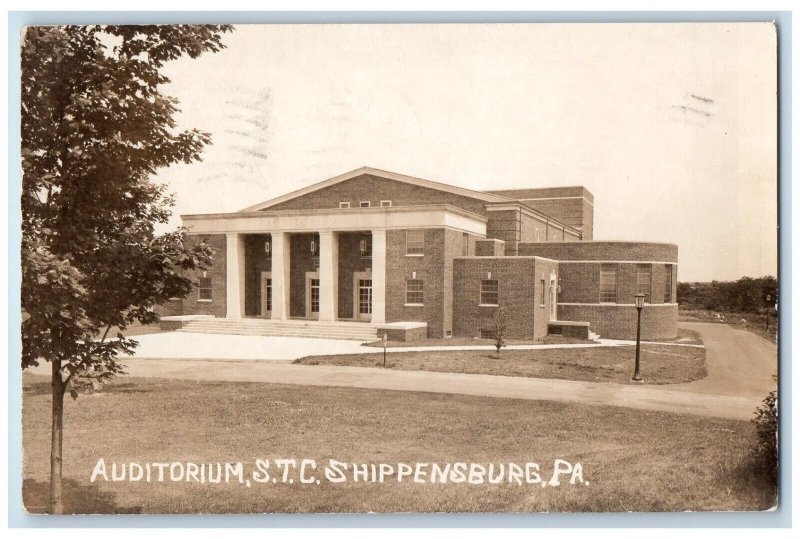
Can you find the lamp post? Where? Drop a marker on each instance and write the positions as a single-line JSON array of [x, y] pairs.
[[384, 339], [637, 375]]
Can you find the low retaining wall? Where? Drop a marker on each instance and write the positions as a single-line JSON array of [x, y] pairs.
[[401, 332], [569, 330]]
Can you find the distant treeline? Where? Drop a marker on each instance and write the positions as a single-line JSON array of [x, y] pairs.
[[746, 295]]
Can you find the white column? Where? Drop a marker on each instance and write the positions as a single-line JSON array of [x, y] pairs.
[[234, 275], [379, 276], [280, 276], [328, 275]]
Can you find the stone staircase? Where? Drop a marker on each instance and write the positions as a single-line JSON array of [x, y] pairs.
[[358, 331]]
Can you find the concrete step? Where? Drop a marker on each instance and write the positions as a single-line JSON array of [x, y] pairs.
[[289, 328]]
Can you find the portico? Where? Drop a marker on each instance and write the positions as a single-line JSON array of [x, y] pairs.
[[322, 266]]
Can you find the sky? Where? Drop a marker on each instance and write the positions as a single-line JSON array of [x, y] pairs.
[[672, 127]]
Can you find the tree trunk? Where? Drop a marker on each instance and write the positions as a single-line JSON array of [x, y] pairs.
[[57, 436]]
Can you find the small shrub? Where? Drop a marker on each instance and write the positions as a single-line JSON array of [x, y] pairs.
[[766, 423], [500, 326]]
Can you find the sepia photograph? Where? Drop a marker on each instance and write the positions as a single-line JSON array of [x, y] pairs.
[[399, 268]]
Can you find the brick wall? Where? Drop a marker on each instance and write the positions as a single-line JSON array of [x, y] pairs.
[[602, 250], [216, 306], [456, 244], [570, 205], [519, 293], [374, 189], [492, 247], [172, 307], [430, 268], [300, 262], [505, 225], [256, 260], [530, 227], [350, 261], [619, 321]]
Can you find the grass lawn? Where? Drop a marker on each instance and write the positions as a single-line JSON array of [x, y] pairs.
[[685, 336], [632, 460], [660, 364], [467, 341]]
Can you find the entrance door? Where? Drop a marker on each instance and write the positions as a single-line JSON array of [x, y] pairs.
[[312, 295], [266, 294], [365, 299], [553, 297], [362, 295]]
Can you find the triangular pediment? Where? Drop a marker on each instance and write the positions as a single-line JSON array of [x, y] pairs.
[[372, 172]]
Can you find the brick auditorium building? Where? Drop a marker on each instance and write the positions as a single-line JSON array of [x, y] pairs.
[[372, 251]]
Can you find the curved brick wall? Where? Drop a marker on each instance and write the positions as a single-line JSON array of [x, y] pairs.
[[619, 321], [602, 250]]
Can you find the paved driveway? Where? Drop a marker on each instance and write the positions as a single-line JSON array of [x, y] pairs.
[[740, 364]]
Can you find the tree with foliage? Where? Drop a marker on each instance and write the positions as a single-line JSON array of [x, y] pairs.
[[766, 424], [95, 129], [747, 295]]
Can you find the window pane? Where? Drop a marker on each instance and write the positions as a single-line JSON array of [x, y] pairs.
[[269, 294], [204, 288], [643, 280], [414, 291], [415, 242], [667, 283], [314, 295], [489, 291], [608, 283], [365, 296]]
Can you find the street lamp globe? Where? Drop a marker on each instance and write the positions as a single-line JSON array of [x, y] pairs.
[[639, 301]]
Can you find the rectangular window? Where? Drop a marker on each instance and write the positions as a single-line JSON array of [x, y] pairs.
[[204, 289], [541, 301], [489, 291], [365, 296], [386, 203], [414, 292], [314, 295], [668, 283], [608, 283], [344, 204], [269, 294], [465, 247], [415, 242], [364, 204], [643, 280]]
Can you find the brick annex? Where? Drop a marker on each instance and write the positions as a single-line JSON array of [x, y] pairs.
[[415, 258]]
